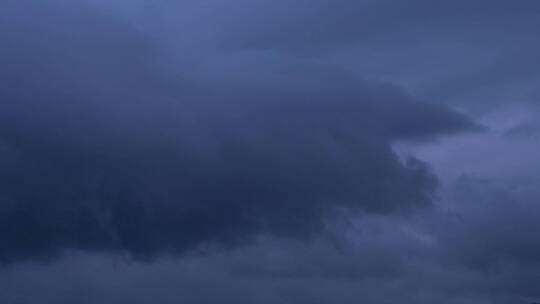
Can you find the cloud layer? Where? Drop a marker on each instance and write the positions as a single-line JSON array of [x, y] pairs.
[[269, 151], [104, 150]]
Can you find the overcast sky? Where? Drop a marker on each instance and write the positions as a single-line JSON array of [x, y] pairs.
[[269, 151]]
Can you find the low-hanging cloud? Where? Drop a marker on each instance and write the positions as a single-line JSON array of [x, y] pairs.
[[103, 149]]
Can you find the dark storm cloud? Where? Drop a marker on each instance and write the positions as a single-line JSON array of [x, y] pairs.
[[387, 264], [166, 129], [104, 150]]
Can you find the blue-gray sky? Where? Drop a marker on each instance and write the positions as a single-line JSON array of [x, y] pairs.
[[269, 151]]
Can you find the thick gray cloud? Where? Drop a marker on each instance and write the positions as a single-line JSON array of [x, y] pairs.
[[478, 245], [107, 151], [155, 150]]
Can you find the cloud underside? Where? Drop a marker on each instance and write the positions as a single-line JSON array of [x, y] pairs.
[[103, 149], [230, 151]]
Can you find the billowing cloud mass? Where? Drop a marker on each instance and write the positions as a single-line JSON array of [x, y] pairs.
[[107, 151], [269, 151]]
